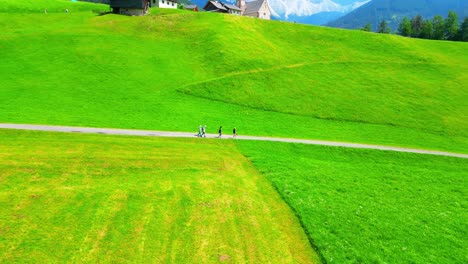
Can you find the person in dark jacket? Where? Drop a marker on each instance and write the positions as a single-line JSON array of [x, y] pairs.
[[204, 131], [220, 131]]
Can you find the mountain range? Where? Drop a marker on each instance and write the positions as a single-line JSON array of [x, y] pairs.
[[394, 10]]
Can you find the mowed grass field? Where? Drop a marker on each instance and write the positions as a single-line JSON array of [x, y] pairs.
[[367, 206], [97, 198], [175, 70]]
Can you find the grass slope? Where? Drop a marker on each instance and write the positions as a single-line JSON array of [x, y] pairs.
[[95, 198], [362, 206], [317, 94], [49, 6], [175, 70]]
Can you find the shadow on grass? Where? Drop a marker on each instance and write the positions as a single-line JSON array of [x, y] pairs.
[[101, 13]]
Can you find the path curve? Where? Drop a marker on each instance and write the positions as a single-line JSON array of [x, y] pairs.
[[134, 132]]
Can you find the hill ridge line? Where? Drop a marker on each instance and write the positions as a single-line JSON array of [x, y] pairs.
[[136, 132]]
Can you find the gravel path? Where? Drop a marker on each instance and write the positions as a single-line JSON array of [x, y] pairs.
[[132, 132]]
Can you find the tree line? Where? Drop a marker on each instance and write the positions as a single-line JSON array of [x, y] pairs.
[[436, 28]]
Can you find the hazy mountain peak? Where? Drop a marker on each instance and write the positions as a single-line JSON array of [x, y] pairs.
[[285, 8]]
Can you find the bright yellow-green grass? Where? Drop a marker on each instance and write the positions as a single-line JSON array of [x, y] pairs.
[[175, 70], [107, 199]]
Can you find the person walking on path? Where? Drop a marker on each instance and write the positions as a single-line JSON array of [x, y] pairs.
[[220, 131], [203, 131], [200, 131], [234, 132]]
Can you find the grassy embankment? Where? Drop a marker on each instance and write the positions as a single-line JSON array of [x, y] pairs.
[[97, 198], [364, 206], [175, 70]]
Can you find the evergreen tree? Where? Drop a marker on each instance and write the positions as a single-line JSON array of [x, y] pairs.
[[451, 26], [439, 27], [416, 26], [427, 29], [384, 27], [464, 30], [405, 27], [367, 28]]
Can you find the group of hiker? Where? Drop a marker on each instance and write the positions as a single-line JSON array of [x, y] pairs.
[[202, 131]]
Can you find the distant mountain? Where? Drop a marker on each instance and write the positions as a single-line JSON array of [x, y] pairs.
[[317, 12], [301, 8], [316, 19], [394, 10]]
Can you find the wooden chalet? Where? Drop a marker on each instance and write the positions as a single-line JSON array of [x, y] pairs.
[[130, 7], [232, 9]]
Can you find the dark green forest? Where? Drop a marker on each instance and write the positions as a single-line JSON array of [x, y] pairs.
[[393, 12], [437, 28]]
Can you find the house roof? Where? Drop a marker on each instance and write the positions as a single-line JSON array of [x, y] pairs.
[[232, 7], [191, 6], [216, 4], [253, 6], [127, 3]]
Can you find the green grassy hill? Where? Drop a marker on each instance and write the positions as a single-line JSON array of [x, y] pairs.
[[114, 199], [175, 70], [51, 6]]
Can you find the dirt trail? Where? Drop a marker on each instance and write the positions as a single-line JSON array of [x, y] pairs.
[[231, 74]]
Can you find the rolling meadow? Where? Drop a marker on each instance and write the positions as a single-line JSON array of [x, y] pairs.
[[175, 70], [108, 199]]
